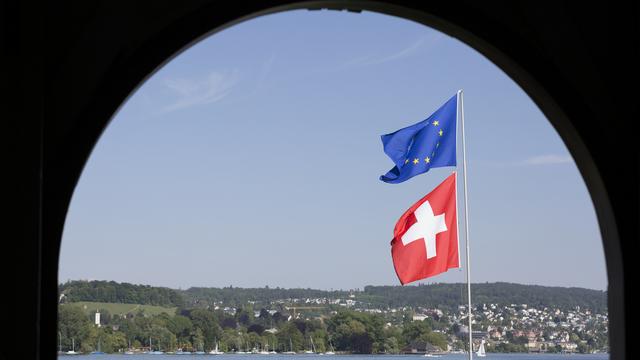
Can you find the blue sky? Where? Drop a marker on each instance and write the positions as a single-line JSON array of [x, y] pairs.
[[253, 158]]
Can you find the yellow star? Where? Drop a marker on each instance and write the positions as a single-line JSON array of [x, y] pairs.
[[440, 132], [436, 123], [415, 161], [427, 159]]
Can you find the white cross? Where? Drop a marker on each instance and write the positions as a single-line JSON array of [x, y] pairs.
[[426, 227]]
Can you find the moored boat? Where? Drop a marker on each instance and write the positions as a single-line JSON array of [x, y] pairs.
[[481, 352]]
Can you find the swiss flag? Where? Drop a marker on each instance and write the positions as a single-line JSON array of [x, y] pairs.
[[425, 239]]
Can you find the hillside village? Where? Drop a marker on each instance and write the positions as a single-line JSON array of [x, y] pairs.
[[514, 327], [391, 320]]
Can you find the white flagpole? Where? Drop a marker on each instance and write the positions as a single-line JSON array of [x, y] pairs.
[[466, 220]]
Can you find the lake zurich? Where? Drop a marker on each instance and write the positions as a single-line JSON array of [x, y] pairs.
[[496, 356]]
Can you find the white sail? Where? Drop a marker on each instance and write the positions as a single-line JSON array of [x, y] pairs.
[[73, 348], [216, 351], [313, 350], [481, 352]]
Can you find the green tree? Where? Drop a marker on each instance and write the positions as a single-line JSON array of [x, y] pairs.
[[414, 330], [230, 340], [205, 321], [320, 339], [162, 339], [254, 340], [245, 316], [110, 341], [289, 335], [74, 326], [357, 332], [269, 341], [181, 327], [435, 339], [391, 345], [197, 339]]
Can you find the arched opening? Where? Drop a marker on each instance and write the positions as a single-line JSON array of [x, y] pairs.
[[567, 138], [192, 96]]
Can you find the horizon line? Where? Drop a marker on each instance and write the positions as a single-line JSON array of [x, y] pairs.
[[418, 284]]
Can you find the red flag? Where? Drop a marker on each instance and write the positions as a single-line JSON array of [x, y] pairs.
[[425, 239]]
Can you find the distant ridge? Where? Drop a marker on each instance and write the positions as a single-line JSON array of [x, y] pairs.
[[440, 295], [449, 295], [114, 292]]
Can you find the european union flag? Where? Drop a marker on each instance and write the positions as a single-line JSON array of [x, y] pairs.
[[422, 146]]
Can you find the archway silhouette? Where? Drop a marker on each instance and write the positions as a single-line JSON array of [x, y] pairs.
[[71, 145]]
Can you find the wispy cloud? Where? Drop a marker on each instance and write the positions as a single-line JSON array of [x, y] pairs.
[[538, 160], [266, 68], [372, 60], [264, 72], [255, 77], [551, 159], [190, 92], [420, 44]]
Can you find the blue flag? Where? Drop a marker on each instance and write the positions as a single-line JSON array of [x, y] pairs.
[[422, 146]]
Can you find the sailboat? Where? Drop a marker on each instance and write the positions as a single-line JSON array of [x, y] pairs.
[[182, 352], [129, 351], [201, 351], [215, 351], [290, 352], [481, 352], [73, 348], [331, 351], [240, 351], [264, 351], [313, 348], [157, 352], [60, 352], [97, 352]]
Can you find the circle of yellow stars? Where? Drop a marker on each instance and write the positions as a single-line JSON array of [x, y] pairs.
[[428, 159]]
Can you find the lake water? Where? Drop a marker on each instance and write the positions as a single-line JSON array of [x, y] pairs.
[[490, 356]]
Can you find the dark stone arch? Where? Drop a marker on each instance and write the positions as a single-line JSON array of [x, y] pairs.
[[74, 64]]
